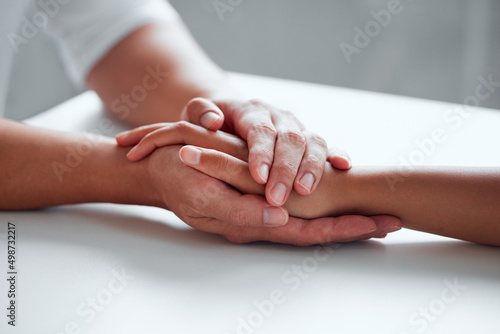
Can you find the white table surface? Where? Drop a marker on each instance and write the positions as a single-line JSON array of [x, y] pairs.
[[185, 281]]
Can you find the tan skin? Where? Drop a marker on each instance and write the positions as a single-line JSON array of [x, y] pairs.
[[457, 202]]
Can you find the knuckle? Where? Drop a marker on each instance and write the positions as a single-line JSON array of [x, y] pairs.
[[301, 240], [295, 137], [221, 163], [288, 114], [183, 126], [195, 104], [264, 128], [286, 169], [318, 140], [257, 103], [262, 151], [238, 217], [314, 163]]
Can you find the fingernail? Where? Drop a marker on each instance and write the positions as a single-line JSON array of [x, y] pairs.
[[278, 193], [264, 172], [190, 155], [345, 157], [307, 181], [274, 216], [367, 226], [208, 119], [393, 229]]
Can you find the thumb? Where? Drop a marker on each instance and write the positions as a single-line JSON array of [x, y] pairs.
[[203, 112]]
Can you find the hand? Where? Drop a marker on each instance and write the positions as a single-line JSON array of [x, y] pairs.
[[282, 153], [210, 205], [150, 137], [146, 139], [239, 218], [235, 172]]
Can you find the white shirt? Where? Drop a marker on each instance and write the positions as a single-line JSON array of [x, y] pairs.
[[84, 30]]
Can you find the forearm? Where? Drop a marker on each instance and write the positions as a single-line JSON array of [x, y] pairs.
[[459, 202], [40, 168], [123, 78]]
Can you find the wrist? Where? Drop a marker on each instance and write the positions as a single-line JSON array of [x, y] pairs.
[[340, 191], [119, 180], [332, 197], [366, 192]]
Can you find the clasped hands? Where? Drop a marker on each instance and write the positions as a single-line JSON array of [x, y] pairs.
[[249, 172]]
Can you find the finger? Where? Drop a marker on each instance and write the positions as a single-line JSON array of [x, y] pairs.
[[203, 112], [288, 154], [385, 225], [132, 137], [302, 232], [231, 212], [312, 165], [254, 123], [221, 166], [187, 133], [339, 159]]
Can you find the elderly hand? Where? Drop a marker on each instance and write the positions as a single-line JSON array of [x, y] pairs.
[[282, 153]]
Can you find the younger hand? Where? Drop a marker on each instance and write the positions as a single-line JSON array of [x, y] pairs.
[[235, 172]]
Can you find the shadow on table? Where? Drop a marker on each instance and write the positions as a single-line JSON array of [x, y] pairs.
[[172, 251]]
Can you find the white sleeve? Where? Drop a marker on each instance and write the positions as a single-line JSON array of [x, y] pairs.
[[86, 29]]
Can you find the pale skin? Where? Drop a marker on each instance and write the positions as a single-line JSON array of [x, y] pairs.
[[456, 202], [188, 86]]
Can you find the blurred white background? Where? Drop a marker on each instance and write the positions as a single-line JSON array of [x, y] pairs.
[[430, 49]]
